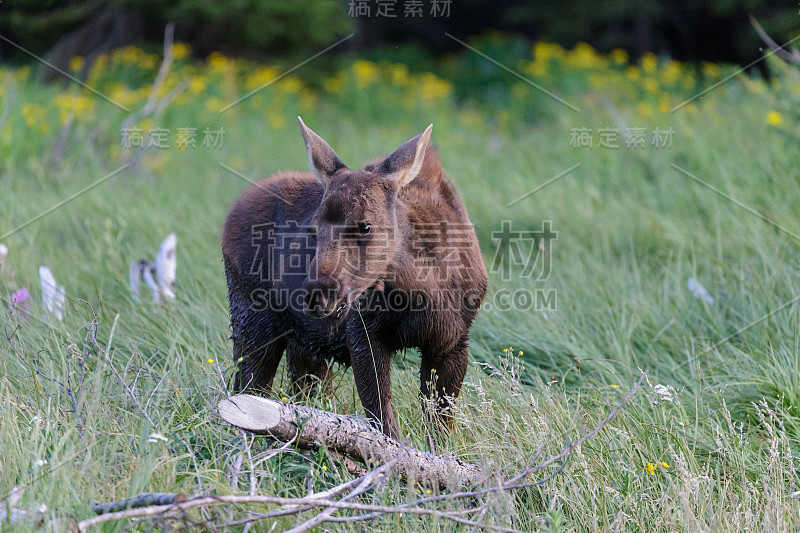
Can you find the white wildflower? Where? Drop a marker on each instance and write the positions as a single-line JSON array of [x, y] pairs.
[[155, 437], [53, 295], [700, 292], [664, 393], [165, 264], [158, 275]]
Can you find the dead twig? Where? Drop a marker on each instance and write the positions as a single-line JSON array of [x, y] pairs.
[[142, 500], [152, 100], [365, 511], [92, 328], [790, 56]]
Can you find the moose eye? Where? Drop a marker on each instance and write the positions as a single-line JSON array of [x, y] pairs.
[[364, 228]]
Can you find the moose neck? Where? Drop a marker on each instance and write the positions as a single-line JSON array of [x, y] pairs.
[[423, 207]]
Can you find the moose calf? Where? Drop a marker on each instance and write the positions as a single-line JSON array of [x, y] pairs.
[[350, 266]]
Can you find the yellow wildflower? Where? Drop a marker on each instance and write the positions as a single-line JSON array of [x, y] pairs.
[[335, 84], [276, 121], [181, 50], [584, 56], [366, 72], [597, 80], [290, 84], [155, 162], [261, 76], [645, 109], [218, 63], [399, 74], [663, 104], [774, 118], [32, 114], [545, 51], [324, 468], [197, 85], [433, 87], [649, 62], [76, 63], [538, 68], [99, 65], [711, 70], [664, 464], [650, 85], [21, 74], [619, 56], [672, 71], [651, 468], [214, 104], [120, 93], [210, 361], [238, 162]]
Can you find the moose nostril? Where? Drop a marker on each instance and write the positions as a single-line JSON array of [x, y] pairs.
[[320, 294]]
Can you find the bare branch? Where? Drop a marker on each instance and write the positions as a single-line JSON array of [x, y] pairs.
[[792, 56]]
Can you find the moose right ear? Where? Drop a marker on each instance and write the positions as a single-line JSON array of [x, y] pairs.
[[322, 160]]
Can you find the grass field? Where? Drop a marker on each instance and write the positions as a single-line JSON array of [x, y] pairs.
[[710, 441]]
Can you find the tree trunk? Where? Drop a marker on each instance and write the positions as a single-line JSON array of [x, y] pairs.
[[348, 435]]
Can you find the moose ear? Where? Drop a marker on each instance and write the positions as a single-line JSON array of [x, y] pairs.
[[406, 162], [321, 158]]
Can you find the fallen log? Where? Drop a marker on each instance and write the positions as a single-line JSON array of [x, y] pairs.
[[348, 435], [142, 500]]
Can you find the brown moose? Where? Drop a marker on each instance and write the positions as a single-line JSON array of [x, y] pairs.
[[350, 266]]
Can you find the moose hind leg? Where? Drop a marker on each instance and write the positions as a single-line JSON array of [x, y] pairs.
[[257, 356], [441, 377], [308, 373], [258, 345], [257, 361], [258, 341]]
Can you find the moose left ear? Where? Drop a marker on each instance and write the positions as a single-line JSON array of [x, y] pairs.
[[406, 162]]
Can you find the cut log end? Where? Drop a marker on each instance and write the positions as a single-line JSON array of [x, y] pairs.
[[253, 413]]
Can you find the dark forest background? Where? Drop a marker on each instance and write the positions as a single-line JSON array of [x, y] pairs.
[[711, 30]]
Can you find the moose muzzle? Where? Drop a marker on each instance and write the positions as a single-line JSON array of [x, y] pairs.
[[322, 298]]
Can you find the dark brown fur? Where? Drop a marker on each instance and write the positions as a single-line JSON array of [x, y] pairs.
[[414, 279]]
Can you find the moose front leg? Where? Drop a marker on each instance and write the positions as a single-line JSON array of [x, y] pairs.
[[371, 375], [441, 376]]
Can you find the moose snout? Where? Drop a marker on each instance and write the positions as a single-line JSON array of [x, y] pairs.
[[321, 296]]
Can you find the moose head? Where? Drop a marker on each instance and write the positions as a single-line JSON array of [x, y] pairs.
[[355, 228]]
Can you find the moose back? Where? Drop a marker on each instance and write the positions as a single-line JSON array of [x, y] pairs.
[[351, 266]]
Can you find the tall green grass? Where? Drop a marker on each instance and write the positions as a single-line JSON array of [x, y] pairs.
[[719, 408]]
